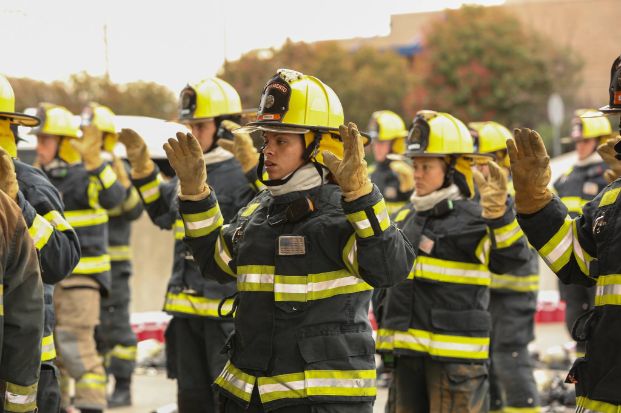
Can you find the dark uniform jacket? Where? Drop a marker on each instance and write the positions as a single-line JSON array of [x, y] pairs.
[[21, 311], [304, 276], [189, 293], [580, 184], [388, 183], [57, 242], [440, 311], [585, 251], [87, 195]]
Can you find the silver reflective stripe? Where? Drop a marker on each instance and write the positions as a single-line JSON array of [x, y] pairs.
[[341, 383], [339, 282], [363, 224], [612, 289], [453, 271], [242, 385], [290, 385], [20, 398], [442, 345], [256, 278], [207, 222], [289, 288], [504, 237], [560, 249]]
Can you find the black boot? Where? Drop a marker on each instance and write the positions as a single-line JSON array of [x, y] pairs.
[[122, 395]]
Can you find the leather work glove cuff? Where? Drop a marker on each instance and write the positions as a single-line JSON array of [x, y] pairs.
[[204, 193], [365, 189], [364, 201], [527, 203], [141, 171]]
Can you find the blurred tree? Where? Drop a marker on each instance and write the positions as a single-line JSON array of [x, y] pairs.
[[135, 98], [479, 63], [365, 80]]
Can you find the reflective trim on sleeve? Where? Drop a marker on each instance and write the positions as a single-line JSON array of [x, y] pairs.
[[195, 305], [93, 265], [609, 197], [608, 290], [48, 350], [57, 220], [482, 250], [586, 405], [132, 199], [439, 345], [222, 255], [40, 231], [1, 299], [510, 409], [20, 399], [582, 257], [401, 215], [450, 271], [123, 352], [120, 252], [519, 283], [574, 203], [394, 206], [249, 209], [92, 381], [385, 340], [350, 255], [86, 217], [507, 235], [362, 224], [107, 177], [557, 251], [150, 191], [202, 223], [236, 382], [179, 229]]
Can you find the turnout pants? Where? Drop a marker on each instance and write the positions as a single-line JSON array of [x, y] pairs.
[[195, 357], [578, 300], [48, 392], [76, 300]]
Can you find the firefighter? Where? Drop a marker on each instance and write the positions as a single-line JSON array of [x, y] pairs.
[[304, 253], [394, 178], [115, 337], [198, 331], [581, 250], [88, 187], [21, 307], [513, 302], [575, 188], [436, 323], [57, 243]]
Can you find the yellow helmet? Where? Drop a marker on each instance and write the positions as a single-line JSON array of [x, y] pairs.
[[489, 137], [589, 124], [208, 99], [386, 125], [103, 118], [437, 134], [7, 106], [59, 121]]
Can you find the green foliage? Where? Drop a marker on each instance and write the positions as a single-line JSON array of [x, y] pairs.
[[365, 80], [136, 98], [479, 63]]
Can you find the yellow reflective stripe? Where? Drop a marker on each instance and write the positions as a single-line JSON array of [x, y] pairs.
[[120, 252], [482, 249], [123, 352], [249, 209], [608, 290], [557, 251], [93, 265], [450, 271], [401, 215], [574, 203], [202, 223], [40, 231], [150, 191], [349, 383], [350, 254], [507, 235], [57, 220], [130, 202], [609, 197], [394, 206], [222, 255], [586, 405], [384, 340], [582, 257], [317, 286], [518, 283], [92, 381], [48, 350], [20, 399], [86, 217], [107, 177], [179, 229], [440, 345], [255, 278], [94, 186], [1, 299], [236, 382], [195, 305], [361, 223], [509, 409]]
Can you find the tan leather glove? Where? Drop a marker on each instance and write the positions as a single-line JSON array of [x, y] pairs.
[[121, 173], [530, 167], [137, 153], [8, 178], [242, 147], [186, 157], [607, 151], [493, 191], [89, 147], [405, 174], [351, 171]]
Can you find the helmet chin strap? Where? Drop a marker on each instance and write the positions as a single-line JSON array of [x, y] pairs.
[[450, 172], [308, 154]]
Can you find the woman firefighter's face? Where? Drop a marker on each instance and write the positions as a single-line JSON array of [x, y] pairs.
[[283, 153], [428, 174]]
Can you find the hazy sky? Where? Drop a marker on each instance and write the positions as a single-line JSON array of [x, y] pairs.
[[176, 41]]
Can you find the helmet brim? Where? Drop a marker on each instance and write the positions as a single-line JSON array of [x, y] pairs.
[[473, 156], [278, 127], [21, 119], [608, 109]]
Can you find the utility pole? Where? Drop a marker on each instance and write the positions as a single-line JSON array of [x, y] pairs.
[[106, 56]]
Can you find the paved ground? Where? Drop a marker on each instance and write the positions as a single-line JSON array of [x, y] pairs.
[[153, 390]]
